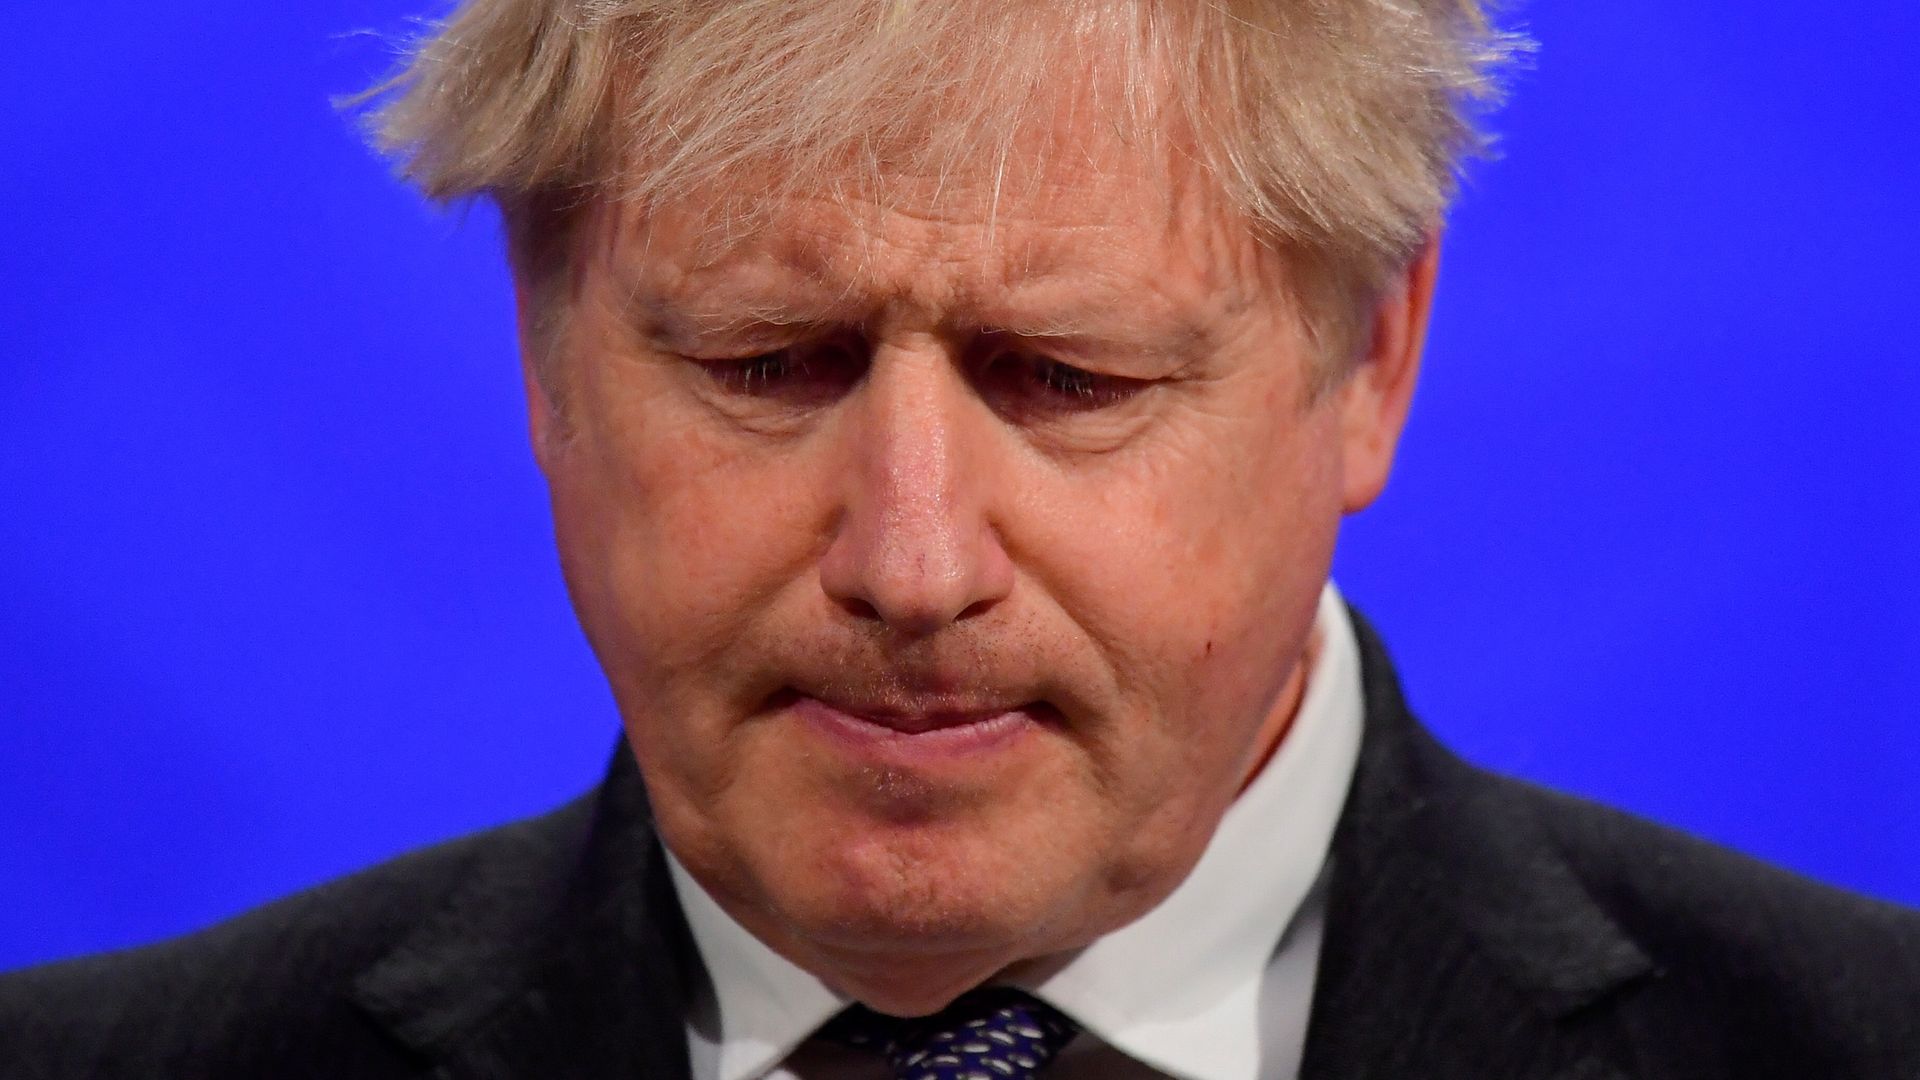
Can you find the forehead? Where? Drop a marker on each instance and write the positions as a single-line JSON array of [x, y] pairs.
[[1060, 165], [1037, 245]]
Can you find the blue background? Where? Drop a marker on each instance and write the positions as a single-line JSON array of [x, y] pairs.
[[277, 597]]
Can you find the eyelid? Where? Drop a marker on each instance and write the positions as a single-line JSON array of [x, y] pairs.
[[711, 350], [1031, 381], [804, 374]]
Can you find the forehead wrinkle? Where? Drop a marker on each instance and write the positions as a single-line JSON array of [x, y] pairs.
[[714, 289], [1019, 270], [1093, 289], [1051, 265]]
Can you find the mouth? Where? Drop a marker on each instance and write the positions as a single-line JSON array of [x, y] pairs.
[[922, 732]]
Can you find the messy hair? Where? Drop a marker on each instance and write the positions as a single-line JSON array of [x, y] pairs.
[[1334, 128]]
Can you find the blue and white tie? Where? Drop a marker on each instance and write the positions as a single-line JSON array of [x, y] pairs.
[[993, 1033]]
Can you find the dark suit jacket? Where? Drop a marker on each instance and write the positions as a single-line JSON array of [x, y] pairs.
[[1478, 927]]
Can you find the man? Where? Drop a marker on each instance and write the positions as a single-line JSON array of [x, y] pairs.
[[949, 410]]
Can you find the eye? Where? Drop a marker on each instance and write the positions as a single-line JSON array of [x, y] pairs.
[[1021, 381], [801, 374], [757, 374]]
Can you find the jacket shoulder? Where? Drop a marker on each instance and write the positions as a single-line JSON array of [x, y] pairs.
[[269, 992], [1810, 972]]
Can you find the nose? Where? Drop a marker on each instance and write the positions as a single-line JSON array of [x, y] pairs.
[[914, 548]]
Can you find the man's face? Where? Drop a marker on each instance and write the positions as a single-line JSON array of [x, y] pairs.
[[952, 563]]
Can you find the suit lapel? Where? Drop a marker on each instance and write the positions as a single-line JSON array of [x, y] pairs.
[[1458, 943], [562, 955]]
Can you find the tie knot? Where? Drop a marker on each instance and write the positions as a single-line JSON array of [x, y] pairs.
[[993, 1033]]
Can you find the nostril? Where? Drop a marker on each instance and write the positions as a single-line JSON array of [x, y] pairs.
[[859, 609], [978, 607]]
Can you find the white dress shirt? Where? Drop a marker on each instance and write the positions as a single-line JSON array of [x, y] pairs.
[[1215, 983]]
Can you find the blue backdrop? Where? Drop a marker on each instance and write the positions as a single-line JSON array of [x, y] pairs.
[[276, 590]]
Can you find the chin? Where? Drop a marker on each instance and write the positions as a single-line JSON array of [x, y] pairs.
[[916, 990], [939, 891], [849, 868]]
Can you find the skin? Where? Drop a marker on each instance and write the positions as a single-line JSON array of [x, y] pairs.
[[938, 453]]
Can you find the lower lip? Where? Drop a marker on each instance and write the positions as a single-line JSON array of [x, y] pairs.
[[972, 739]]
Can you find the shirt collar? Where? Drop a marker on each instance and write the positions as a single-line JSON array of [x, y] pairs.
[[1178, 989], [762, 1007]]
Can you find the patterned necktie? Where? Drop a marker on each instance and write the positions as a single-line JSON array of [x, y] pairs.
[[993, 1033]]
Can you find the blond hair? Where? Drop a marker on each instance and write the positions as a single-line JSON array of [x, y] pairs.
[[1335, 128]]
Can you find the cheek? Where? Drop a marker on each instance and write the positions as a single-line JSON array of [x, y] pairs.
[[673, 541], [1196, 569], [1262, 528]]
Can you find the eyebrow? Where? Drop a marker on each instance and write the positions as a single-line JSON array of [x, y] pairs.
[[1094, 333], [1105, 328], [678, 318], [790, 297]]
